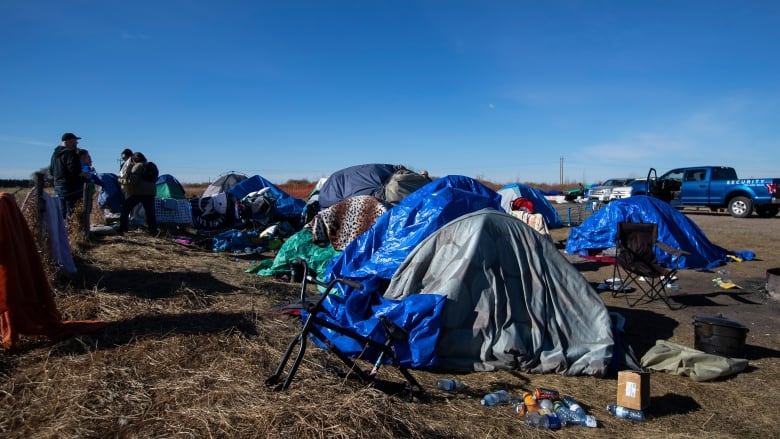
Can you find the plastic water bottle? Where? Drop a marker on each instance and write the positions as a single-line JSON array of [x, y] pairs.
[[568, 416], [495, 398], [535, 419], [626, 413], [573, 405], [450, 385]]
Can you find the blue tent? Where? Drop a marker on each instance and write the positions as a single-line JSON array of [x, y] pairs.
[[541, 204], [674, 229], [286, 205], [110, 196]]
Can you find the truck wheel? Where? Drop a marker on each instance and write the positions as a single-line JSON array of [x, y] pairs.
[[740, 207], [767, 211]]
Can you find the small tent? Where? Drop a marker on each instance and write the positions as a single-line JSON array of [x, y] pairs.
[[676, 230], [541, 204], [169, 187], [222, 184]]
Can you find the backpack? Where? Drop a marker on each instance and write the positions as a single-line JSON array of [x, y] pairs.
[[151, 172]]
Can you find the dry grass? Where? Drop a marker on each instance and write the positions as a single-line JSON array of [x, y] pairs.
[[189, 344]]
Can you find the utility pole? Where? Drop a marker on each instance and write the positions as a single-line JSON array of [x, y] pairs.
[[561, 172]]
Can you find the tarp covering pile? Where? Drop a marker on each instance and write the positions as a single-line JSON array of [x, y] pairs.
[[500, 294], [676, 230], [390, 183], [285, 206], [541, 204]]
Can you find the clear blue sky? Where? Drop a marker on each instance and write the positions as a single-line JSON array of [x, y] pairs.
[[294, 89]]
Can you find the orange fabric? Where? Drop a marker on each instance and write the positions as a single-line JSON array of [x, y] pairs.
[[26, 298]]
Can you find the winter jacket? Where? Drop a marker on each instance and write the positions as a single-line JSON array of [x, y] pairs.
[[66, 170], [134, 183]]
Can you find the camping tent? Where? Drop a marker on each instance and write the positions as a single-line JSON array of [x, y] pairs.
[[513, 301], [110, 196], [495, 261], [676, 230], [390, 183], [169, 187], [222, 184], [541, 204]]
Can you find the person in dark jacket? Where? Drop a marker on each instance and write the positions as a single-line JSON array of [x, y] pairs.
[[138, 187], [65, 167]]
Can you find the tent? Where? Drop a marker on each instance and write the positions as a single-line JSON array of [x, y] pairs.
[[110, 195], [541, 204], [390, 183], [513, 301], [169, 187], [597, 233], [529, 299], [222, 184]]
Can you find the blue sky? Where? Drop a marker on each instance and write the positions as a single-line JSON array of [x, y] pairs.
[[290, 89]]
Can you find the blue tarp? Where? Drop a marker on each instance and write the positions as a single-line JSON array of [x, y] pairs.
[[110, 196], [541, 204], [355, 180], [286, 205], [374, 257], [674, 229]]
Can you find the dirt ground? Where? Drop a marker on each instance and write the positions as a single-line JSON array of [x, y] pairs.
[[189, 343]]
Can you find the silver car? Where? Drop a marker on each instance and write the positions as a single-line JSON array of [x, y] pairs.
[[603, 192]]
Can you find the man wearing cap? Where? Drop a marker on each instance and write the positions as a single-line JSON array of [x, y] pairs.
[[66, 170]]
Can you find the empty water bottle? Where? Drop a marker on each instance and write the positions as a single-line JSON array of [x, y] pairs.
[[450, 385], [569, 417], [573, 405], [535, 419], [626, 413], [495, 398]]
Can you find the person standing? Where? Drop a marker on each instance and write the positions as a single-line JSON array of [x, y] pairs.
[[91, 181], [65, 167], [125, 158], [139, 186]]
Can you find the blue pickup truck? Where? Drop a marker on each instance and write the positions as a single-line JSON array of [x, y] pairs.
[[716, 187]]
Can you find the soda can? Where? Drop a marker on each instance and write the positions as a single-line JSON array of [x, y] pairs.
[[541, 393]]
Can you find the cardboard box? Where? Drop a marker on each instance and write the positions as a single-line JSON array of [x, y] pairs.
[[633, 389]]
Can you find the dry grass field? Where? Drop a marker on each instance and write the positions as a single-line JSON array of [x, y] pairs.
[[189, 343]]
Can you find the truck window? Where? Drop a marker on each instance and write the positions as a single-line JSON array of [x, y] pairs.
[[694, 175], [724, 174]]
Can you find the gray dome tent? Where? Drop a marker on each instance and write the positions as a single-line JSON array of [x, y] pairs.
[[223, 183]]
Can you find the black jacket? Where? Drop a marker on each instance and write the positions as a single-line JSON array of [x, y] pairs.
[[66, 170]]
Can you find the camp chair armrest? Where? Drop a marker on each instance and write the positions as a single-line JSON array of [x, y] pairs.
[[671, 250]]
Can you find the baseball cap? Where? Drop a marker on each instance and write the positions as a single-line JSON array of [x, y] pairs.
[[69, 136]]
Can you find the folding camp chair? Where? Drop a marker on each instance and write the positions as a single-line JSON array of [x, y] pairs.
[[311, 327], [636, 264]]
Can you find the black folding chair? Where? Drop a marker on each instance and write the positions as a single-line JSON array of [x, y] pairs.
[[311, 327], [636, 264]]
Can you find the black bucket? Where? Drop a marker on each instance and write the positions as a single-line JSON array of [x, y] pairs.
[[719, 335]]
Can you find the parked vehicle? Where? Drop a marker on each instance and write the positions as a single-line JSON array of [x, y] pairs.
[[718, 187], [636, 187], [602, 192]]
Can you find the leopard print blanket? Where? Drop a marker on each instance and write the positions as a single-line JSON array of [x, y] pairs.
[[341, 223]]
